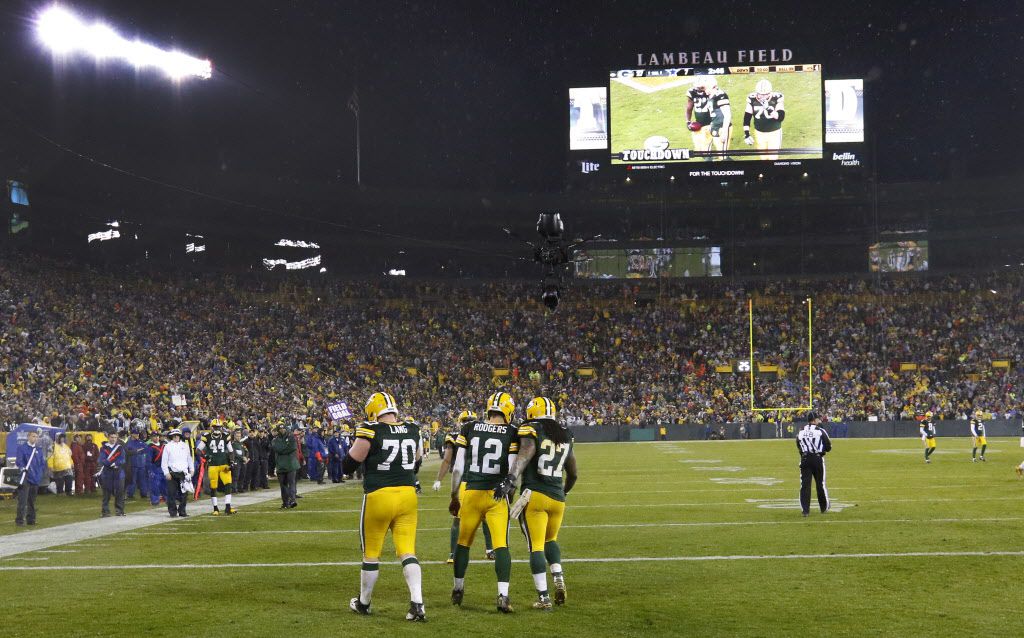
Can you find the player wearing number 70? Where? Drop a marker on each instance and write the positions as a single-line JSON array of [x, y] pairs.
[[545, 449], [390, 451], [484, 452]]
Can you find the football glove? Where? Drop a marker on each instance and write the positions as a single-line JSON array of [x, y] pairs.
[[749, 141], [419, 488], [506, 487], [714, 132], [454, 505], [693, 126], [437, 485]]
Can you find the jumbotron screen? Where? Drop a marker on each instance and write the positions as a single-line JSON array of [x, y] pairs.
[[716, 114], [898, 256], [648, 263]]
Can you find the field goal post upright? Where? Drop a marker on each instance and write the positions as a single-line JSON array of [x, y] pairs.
[[810, 364]]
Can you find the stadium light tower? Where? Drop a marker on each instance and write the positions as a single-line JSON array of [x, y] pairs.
[[64, 33]]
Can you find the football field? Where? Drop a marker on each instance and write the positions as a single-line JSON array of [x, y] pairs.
[[659, 539]]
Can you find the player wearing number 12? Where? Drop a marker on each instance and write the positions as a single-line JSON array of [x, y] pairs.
[[484, 454], [390, 452], [545, 449]]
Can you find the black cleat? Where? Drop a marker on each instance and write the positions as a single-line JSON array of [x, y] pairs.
[[559, 588], [416, 613], [504, 604], [359, 607], [543, 603], [457, 595]]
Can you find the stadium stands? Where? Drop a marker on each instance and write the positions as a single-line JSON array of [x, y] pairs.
[[83, 346]]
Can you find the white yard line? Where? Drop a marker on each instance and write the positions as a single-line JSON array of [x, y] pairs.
[[822, 521], [630, 559]]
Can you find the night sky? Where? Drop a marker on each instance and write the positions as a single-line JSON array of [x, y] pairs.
[[473, 96]]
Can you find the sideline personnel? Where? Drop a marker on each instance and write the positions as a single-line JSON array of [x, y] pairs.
[[814, 444]]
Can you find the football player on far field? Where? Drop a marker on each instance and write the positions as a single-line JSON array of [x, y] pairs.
[[390, 451], [928, 436], [768, 109], [485, 452], [698, 115], [545, 449], [978, 434]]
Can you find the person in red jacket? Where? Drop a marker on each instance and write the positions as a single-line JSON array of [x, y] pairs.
[[78, 459], [92, 456]]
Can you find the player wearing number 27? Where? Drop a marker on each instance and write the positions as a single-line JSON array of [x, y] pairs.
[[484, 452], [390, 452], [545, 449]]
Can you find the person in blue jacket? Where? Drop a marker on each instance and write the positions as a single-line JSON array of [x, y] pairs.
[[337, 450], [112, 460], [30, 460], [317, 456], [138, 459], [155, 454]]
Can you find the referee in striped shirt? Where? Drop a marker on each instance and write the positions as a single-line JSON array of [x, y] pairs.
[[814, 444]]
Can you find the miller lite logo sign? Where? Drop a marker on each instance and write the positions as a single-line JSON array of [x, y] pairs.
[[589, 167]]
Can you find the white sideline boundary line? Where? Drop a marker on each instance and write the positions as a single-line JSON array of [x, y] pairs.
[[632, 559], [827, 521], [74, 534]]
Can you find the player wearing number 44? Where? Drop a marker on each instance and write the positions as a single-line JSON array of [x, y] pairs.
[[218, 452], [390, 453], [484, 453]]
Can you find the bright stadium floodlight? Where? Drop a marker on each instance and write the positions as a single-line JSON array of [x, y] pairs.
[[104, 236], [64, 33], [296, 243], [270, 264]]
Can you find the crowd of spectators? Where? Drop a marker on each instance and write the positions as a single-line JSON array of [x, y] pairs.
[[94, 350]]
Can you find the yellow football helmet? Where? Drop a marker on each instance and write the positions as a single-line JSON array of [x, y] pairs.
[[467, 415], [928, 414], [541, 408], [502, 402], [380, 403]]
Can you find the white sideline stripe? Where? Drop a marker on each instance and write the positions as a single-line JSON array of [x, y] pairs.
[[827, 521], [635, 559]]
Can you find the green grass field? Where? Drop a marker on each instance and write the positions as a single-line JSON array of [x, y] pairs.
[[636, 115], [660, 539]]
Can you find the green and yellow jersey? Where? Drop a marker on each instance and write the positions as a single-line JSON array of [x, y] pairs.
[[765, 112], [544, 472], [217, 451], [487, 446], [391, 461], [701, 107]]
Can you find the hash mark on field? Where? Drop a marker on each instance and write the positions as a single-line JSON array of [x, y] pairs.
[[617, 559], [753, 480], [705, 461], [718, 468]]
